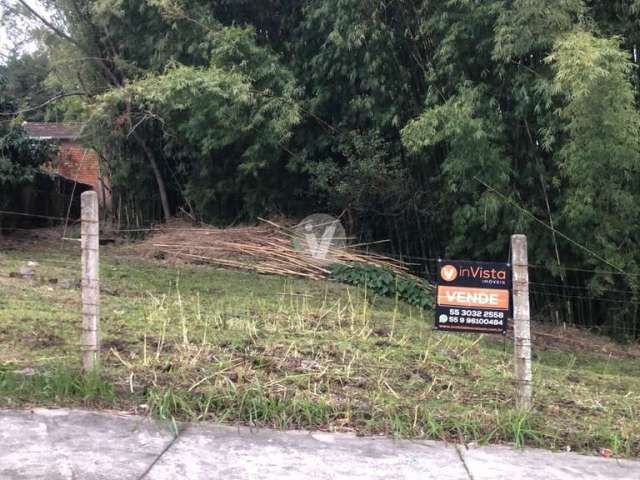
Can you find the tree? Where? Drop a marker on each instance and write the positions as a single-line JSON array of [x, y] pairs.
[[20, 156], [599, 154], [244, 113], [443, 126]]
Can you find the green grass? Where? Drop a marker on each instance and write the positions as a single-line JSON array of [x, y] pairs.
[[56, 384], [199, 343]]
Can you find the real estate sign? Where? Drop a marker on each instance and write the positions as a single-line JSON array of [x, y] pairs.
[[473, 296]]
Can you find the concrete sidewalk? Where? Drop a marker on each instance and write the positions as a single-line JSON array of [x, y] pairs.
[[63, 444]]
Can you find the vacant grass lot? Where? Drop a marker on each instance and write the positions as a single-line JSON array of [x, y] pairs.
[[205, 344]]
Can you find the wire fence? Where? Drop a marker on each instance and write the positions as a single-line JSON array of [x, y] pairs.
[[560, 294], [236, 323]]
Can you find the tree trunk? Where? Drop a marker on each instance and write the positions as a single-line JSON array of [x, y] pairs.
[[164, 199]]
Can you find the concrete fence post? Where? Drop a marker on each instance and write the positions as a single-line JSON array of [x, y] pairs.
[[90, 347], [521, 322]]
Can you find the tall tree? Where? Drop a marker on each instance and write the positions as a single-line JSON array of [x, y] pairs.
[[20, 156]]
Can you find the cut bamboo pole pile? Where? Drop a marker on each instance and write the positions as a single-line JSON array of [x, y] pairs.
[[268, 248]]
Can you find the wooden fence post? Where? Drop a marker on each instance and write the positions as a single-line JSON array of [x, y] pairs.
[[521, 322], [90, 348]]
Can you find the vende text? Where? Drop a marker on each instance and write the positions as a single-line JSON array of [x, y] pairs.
[[473, 297]]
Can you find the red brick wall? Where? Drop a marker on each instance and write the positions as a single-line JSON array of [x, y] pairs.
[[77, 163]]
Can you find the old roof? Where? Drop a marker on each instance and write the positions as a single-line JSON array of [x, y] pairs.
[[53, 130]]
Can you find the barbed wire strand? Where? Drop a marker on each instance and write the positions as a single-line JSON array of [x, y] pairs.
[[552, 229], [618, 271]]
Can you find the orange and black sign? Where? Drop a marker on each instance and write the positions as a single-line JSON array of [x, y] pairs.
[[473, 296]]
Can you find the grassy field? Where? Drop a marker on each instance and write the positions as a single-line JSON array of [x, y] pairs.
[[204, 344]]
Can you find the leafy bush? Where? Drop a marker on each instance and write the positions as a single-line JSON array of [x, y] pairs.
[[408, 288]]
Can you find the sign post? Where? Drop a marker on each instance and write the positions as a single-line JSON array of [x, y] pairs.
[[477, 297], [521, 322], [473, 297], [90, 348]]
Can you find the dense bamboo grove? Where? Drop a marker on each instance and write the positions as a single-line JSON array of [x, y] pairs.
[[443, 125]]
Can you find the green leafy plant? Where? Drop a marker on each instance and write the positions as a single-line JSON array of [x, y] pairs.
[[408, 288]]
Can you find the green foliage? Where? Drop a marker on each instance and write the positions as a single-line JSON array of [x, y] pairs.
[[397, 114], [466, 124], [524, 26], [27, 83], [369, 176], [600, 155], [230, 118], [20, 156], [407, 288], [350, 59], [59, 384], [472, 133]]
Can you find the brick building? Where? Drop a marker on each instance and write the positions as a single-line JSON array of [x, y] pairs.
[[74, 161]]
